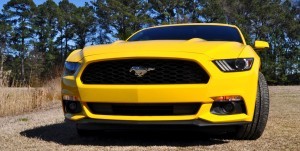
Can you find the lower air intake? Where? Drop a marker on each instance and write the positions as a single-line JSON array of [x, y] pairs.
[[144, 109]]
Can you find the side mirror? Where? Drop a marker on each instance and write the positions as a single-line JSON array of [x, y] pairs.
[[261, 44]]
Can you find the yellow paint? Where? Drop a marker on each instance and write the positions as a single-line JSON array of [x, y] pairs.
[[203, 52], [261, 44]]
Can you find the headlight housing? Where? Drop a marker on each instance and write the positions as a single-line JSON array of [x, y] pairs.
[[234, 65], [71, 68]]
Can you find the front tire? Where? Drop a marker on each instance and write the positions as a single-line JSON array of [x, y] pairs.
[[254, 130]]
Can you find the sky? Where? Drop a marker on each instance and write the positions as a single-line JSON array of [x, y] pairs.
[[38, 2]]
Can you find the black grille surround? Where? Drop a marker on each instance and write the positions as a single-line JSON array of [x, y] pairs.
[[150, 109], [166, 71]]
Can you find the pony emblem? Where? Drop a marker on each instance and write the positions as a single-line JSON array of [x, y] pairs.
[[140, 71]]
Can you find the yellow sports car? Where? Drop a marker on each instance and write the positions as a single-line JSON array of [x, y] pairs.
[[195, 75]]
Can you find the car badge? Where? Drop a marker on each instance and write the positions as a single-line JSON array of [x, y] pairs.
[[140, 71]]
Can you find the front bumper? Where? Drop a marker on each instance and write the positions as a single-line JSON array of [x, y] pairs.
[[188, 125], [200, 123], [243, 84]]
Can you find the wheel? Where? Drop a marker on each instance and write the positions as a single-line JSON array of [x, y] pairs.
[[254, 130]]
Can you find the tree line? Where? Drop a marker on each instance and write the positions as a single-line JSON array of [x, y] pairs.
[[36, 39]]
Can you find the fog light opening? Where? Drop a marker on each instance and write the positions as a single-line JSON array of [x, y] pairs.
[[226, 105], [72, 106], [228, 108]]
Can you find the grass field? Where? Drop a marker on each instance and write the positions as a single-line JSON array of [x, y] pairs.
[[45, 130], [15, 100]]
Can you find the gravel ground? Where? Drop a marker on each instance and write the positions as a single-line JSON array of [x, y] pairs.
[[45, 130]]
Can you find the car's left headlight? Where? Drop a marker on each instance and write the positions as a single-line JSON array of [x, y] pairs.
[[71, 68], [233, 65]]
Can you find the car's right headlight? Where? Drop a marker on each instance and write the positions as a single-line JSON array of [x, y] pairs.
[[70, 68], [234, 65]]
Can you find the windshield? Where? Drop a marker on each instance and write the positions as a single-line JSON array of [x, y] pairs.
[[206, 32]]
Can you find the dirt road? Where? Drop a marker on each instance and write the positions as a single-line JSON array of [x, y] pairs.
[[45, 130]]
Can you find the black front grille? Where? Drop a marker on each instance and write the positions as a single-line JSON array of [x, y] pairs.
[[163, 71], [144, 109]]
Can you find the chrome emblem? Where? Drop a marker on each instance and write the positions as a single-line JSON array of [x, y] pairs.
[[140, 71]]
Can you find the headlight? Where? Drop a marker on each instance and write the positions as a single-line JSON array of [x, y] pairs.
[[71, 68], [232, 65]]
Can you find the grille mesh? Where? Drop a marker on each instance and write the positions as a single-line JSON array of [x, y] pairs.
[[166, 71]]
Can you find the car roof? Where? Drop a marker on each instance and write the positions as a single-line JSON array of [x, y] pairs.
[[188, 24]]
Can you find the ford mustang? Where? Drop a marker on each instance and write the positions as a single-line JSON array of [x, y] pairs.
[[202, 75]]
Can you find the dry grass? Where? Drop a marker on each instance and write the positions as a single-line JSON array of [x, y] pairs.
[[45, 130], [20, 100]]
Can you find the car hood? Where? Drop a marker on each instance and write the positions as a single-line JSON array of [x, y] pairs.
[[213, 49]]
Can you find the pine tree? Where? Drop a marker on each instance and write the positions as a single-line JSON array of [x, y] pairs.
[[84, 25], [19, 13], [123, 17], [45, 22], [45, 55], [65, 27], [4, 35]]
